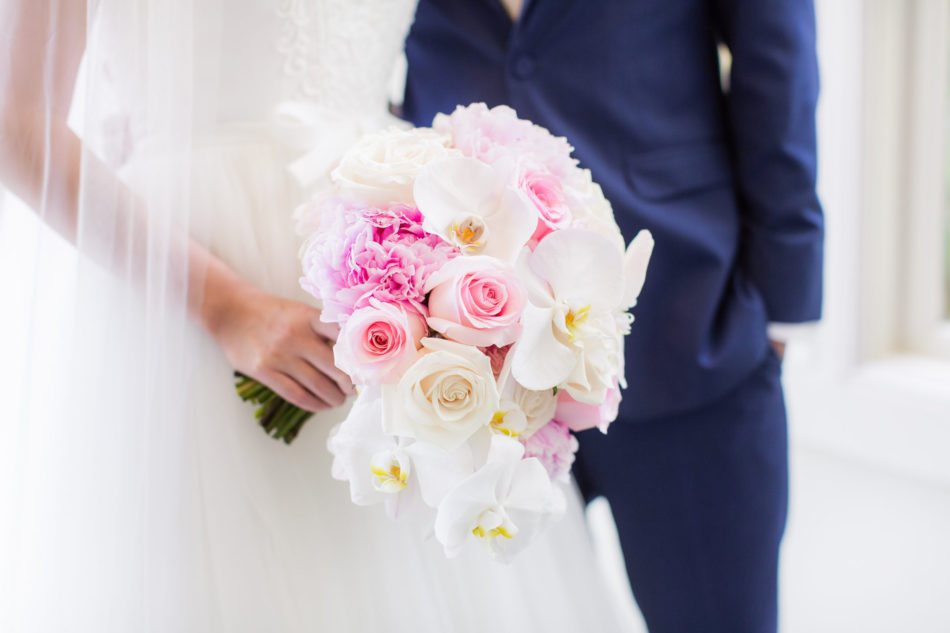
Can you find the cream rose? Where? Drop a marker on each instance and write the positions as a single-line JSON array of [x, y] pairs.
[[382, 167], [538, 406], [444, 397]]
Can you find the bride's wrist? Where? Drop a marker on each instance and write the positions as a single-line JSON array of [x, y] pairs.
[[223, 295]]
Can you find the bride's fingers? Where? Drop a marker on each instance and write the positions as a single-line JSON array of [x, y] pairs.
[[320, 355], [317, 383], [326, 330], [293, 392]]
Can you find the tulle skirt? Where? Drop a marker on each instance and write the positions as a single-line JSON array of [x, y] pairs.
[[221, 528]]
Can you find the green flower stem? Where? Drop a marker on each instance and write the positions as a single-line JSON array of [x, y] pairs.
[[292, 433], [279, 418], [291, 421], [279, 411]]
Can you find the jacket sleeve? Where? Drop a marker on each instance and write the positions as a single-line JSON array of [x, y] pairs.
[[771, 100]]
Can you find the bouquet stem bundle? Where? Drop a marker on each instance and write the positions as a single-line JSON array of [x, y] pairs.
[[279, 418]]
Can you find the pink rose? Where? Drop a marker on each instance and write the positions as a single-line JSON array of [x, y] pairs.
[[476, 301], [554, 446], [580, 417], [379, 341], [547, 194]]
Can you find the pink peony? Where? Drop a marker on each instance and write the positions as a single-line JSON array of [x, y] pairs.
[[489, 135], [476, 301], [497, 356], [361, 254], [580, 417], [554, 446], [379, 341]]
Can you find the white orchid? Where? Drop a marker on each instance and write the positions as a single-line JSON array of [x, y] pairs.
[[580, 287], [375, 464], [504, 504], [475, 206], [395, 471]]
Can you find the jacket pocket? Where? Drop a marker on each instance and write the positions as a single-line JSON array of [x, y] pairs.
[[675, 172]]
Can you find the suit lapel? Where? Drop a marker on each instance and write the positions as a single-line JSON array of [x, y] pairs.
[[539, 18]]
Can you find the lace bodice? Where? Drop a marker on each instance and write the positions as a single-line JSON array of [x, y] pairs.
[[341, 52], [338, 54], [250, 56]]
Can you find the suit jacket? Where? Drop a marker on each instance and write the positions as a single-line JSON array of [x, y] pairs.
[[724, 180]]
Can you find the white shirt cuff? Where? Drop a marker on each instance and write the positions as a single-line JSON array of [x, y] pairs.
[[784, 332]]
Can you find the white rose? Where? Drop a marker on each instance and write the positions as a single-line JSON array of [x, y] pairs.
[[381, 168], [444, 397], [538, 406]]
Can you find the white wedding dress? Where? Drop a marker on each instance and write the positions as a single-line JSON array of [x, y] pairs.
[[265, 540]]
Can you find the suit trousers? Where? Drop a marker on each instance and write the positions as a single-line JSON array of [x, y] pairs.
[[700, 500]]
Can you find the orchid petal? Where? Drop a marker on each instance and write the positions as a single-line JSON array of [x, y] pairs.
[[354, 443], [530, 487], [581, 266], [438, 471], [511, 226], [635, 263], [504, 449], [540, 360], [460, 507], [537, 289], [450, 188]]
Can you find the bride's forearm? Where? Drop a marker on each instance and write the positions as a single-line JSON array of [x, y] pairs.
[[41, 161]]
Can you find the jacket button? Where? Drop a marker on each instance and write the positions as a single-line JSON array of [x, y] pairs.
[[524, 66]]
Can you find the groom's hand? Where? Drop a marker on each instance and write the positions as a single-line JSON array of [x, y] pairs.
[[779, 348]]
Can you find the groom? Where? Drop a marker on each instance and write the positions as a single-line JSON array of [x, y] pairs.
[[695, 468]]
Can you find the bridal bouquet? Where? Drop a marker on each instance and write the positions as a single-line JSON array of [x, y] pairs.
[[483, 290]]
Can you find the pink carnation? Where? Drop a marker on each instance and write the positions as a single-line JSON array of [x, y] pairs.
[[554, 446], [361, 254], [489, 135]]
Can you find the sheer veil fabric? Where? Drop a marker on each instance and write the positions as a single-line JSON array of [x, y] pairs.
[[136, 492], [98, 466]]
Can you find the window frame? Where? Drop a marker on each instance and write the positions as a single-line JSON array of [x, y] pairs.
[[871, 383]]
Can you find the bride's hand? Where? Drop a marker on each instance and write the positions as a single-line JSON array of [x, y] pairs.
[[278, 342]]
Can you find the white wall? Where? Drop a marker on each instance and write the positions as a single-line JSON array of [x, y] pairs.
[[868, 541]]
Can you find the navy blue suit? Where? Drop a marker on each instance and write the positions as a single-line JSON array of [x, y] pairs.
[[695, 467]]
